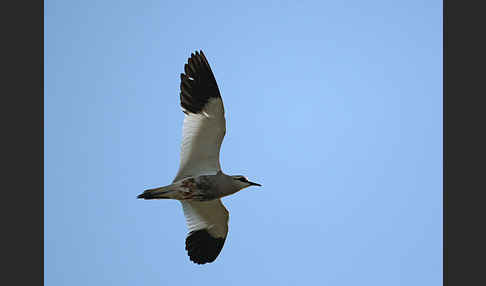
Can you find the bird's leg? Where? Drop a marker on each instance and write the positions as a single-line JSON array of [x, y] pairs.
[[188, 188], [191, 191], [193, 194]]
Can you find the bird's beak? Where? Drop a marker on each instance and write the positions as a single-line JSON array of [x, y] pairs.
[[254, 184]]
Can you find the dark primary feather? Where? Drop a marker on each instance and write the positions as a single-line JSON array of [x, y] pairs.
[[202, 247], [198, 84]]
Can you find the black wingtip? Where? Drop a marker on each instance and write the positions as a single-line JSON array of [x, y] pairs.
[[198, 84], [202, 247]]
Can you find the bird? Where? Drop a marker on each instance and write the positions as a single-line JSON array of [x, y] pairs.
[[200, 183]]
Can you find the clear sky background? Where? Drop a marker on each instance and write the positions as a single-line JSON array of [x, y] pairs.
[[334, 106]]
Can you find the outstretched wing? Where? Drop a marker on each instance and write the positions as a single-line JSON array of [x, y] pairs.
[[204, 124], [208, 226]]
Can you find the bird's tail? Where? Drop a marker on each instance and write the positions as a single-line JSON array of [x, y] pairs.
[[157, 193]]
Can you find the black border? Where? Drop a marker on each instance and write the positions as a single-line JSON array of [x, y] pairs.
[[464, 132], [22, 117]]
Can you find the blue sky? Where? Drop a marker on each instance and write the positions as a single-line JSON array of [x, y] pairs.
[[334, 106]]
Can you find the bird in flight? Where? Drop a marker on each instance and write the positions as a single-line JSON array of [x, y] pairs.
[[200, 184]]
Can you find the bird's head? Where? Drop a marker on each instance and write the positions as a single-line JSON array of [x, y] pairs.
[[242, 182]]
